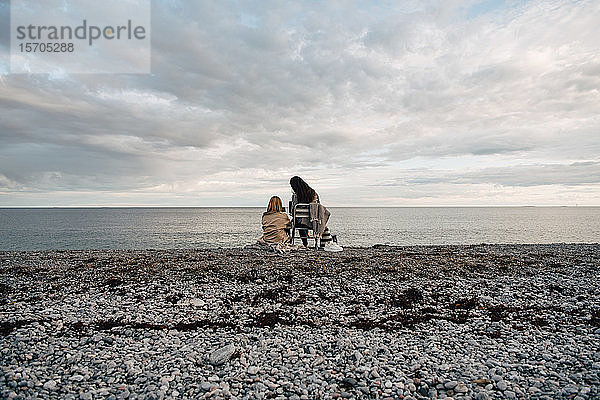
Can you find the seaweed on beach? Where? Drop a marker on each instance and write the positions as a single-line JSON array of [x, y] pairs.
[[499, 312], [539, 321], [556, 289], [76, 326], [351, 260], [534, 315], [408, 298], [109, 324], [268, 318], [236, 298], [271, 294], [468, 303], [272, 318], [113, 282], [203, 323], [174, 298], [4, 291], [247, 276], [408, 319], [323, 295], [366, 324], [8, 327]]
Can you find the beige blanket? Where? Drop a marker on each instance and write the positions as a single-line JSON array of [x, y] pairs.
[[274, 225]]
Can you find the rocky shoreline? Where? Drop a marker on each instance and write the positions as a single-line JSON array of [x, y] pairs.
[[479, 322]]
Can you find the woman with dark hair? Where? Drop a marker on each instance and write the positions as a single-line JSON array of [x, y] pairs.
[[275, 223], [319, 216], [303, 192]]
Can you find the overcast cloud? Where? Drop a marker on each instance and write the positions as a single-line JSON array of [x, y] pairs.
[[374, 103]]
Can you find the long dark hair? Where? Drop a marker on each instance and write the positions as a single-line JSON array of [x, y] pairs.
[[305, 193]]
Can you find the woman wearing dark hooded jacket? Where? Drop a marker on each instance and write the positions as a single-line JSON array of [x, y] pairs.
[[305, 194]]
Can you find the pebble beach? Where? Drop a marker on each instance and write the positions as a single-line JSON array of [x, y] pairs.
[[446, 322]]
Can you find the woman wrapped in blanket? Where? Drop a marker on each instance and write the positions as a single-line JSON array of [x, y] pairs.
[[275, 223]]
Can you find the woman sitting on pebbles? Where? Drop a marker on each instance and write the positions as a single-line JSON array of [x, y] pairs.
[[275, 223]]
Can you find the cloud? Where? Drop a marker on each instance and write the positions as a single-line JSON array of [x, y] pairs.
[[574, 174], [352, 96]]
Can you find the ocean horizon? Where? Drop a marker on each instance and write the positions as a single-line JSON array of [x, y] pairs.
[[79, 228]]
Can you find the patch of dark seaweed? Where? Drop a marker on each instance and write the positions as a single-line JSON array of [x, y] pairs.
[[174, 298], [7, 327], [458, 317], [386, 268], [324, 295], [113, 282], [493, 334], [237, 298], [5, 289], [531, 314], [465, 303], [272, 318], [203, 323], [366, 324], [105, 325], [271, 294], [108, 324], [382, 247], [409, 319], [76, 326], [408, 298], [556, 288], [499, 312], [267, 318], [246, 277]]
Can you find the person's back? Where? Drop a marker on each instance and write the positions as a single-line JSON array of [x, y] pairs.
[[319, 215], [303, 192], [275, 223]]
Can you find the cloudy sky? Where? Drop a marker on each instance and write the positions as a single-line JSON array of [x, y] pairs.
[[391, 103]]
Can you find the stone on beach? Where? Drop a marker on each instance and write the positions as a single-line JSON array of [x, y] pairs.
[[222, 355], [50, 385]]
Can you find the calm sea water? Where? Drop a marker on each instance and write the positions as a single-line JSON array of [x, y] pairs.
[[167, 228]]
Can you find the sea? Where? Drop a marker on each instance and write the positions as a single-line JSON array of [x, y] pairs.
[[203, 227]]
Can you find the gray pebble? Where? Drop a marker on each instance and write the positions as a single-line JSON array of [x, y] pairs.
[[50, 385], [450, 385], [222, 355]]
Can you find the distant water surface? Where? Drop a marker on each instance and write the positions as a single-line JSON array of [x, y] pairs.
[[168, 228]]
